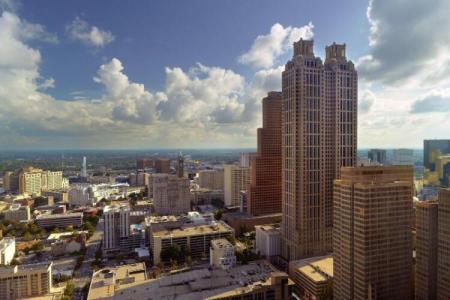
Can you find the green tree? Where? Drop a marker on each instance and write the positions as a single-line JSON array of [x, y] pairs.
[[38, 246], [27, 236], [68, 228], [218, 214]]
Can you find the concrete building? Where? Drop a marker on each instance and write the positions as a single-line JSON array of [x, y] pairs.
[[57, 195], [264, 191], [372, 239], [171, 194], [60, 220], [443, 263], [139, 179], [206, 196], [11, 182], [24, 281], [319, 137], [426, 249], [17, 213], [52, 180], [116, 227], [433, 149], [196, 237], [402, 156], [377, 156], [80, 195], [268, 240], [256, 280], [30, 181], [7, 250], [144, 163], [246, 158], [236, 179], [221, 254], [211, 179], [313, 277]]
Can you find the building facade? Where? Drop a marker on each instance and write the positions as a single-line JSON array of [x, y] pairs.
[[377, 156], [162, 165], [372, 238], [236, 179], [268, 240], [171, 194], [443, 278], [211, 179], [116, 227], [60, 220], [221, 254], [7, 250], [319, 124], [17, 213], [264, 191]]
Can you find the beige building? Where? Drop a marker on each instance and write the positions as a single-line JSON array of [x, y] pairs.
[[17, 213], [211, 179], [313, 277], [426, 249], [23, 281], [236, 179], [268, 240], [319, 136], [60, 220], [221, 254], [33, 181], [372, 238], [171, 194], [443, 280]]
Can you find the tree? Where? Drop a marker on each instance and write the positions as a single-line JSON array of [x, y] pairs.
[[218, 214], [68, 291], [171, 253], [27, 236], [38, 246], [68, 228]]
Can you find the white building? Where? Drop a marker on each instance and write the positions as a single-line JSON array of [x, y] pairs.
[[80, 195], [116, 227], [171, 194], [221, 254], [7, 250], [268, 240], [236, 179]]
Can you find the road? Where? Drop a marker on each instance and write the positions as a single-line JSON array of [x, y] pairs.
[[83, 275]]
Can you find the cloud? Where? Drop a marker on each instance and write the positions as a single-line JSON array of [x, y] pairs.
[[267, 48], [409, 42], [80, 30], [431, 103], [366, 102], [9, 5]]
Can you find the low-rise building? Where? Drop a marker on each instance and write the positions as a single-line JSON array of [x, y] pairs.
[[24, 281], [256, 280], [268, 240], [7, 250], [17, 213], [221, 254], [60, 220], [57, 195], [312, 276], [80, 195]]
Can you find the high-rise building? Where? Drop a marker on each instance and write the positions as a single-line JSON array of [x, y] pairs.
[[403, 156], [443, 278], [436, 162], [432, 149], [377, 156], [180, 166], [236, 179], [264, 191], [372, 238], [83, 172], [245, 159], [426, 249], [30, 181], [144, 163], [116, 227], [171, 194], [162, 165], [211, 179], [318, 138]]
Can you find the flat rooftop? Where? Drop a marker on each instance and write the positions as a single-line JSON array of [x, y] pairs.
[[192, 230], [60, 216], [187, 285], [316, 269]]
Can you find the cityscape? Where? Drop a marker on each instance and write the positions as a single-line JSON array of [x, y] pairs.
[[289, 174]]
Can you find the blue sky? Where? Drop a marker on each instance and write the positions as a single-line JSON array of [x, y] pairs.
[[155, 74]]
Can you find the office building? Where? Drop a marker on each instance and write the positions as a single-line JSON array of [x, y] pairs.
[[17, 213], [403, 156], [432, 149], [25, 281], [116, 227], [51, 180], [171, 194], [80, 195], [7, 250], [377, 156], [443, 263], [264, 191], [162, 165], [139, 179], [144, 163], [60, 220], [426, 249], [318, 138], [61, 195], [256, 280], [211, 179], [221, 254], [372, 238], [83, 172], [313, 277], [236, 179], [245, 159], [30, 181], [11, 182], [268, 240]]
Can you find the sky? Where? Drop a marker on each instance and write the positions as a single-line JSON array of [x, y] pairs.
[[142, 74]]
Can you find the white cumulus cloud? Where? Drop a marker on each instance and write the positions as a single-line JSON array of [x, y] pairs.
[[80, 30]]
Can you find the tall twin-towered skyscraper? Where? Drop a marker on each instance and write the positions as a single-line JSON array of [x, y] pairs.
[[319, 118]]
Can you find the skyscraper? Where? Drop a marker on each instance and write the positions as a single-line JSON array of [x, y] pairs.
[[443, 280], [171, 194], [117, 227], [264, 195], [372, 238], [433, 148], [236, 179], [377, 156], [84, 168], [318, 137]]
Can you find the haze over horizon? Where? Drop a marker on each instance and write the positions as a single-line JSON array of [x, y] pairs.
[[116, 75]]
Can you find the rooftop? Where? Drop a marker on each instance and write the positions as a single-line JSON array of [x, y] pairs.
[[60, 216], [192, 230], [317, 269], [270, 229], [186, 285], [221, 243]]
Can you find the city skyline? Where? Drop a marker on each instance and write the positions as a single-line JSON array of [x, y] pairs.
[[160, 95]]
